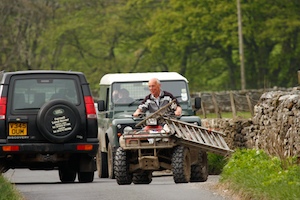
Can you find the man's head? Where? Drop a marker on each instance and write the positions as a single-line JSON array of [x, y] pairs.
[[123, 93], [154, 87]]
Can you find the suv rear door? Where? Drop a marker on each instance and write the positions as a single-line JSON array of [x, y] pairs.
[[28, 94]]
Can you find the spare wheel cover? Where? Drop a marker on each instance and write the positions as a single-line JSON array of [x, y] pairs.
[[58, 121]]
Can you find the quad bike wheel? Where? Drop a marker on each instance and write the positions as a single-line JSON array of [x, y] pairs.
[[199, 171], [122, 174], [144, 177], [181, 164]]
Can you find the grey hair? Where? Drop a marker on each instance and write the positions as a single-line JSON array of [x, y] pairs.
[[156, 80]]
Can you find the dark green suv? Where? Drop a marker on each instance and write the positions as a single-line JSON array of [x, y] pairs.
[[48, 121]]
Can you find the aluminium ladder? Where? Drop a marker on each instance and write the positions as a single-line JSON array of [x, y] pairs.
[[197, 136]]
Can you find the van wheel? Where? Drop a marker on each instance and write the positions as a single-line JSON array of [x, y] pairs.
[[110, 161], [101, 160], [58, 121]]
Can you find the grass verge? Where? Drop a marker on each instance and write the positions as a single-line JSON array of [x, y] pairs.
[[252, 174], [245, 115], [8, 191]]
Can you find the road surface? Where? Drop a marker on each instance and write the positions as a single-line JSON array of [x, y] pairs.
[[45, 185]]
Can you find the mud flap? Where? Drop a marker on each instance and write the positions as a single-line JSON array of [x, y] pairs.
[[87, 164]]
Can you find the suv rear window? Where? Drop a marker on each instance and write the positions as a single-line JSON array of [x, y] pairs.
[[33, 93]]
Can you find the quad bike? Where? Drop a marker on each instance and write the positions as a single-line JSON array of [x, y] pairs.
[[166, 143]]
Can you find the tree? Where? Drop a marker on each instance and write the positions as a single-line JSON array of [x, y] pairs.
[[22, 24]]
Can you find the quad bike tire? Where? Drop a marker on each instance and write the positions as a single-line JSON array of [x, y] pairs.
[[121, 166], [144, 177], [181, 164], [199, 171]]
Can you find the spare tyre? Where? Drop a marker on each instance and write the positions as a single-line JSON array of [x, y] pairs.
[[58, 121]]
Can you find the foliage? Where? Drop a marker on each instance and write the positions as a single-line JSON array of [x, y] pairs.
[[7, 190], [260, 176], [198, 39], [216, 163], [240, 114]]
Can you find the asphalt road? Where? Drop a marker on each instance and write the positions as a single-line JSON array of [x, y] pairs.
[[45, 185]]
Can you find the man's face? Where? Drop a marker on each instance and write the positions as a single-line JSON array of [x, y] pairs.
[[154, 88]]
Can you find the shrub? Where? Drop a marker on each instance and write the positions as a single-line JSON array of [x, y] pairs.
[[260, 176], [8, 191], [215, 163]]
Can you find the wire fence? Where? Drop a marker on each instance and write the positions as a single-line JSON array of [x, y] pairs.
[[229, 101]]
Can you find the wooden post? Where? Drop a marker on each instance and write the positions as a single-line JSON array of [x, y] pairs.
[[250, 105], [232, 104], [203, 109], [217, 110]]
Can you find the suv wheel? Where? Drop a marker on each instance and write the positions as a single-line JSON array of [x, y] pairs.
[[3, 167], [66, 175], [85, 177], [58, 121]]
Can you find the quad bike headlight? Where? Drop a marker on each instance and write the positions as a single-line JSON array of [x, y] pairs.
[[127, 129], [151, 121]]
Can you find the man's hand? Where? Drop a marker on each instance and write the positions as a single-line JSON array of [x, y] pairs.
[[178, 111], [137, 113]]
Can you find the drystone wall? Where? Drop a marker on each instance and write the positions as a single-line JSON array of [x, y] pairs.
[[275, 126]]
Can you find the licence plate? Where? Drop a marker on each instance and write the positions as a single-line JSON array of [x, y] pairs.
[[17, 129]]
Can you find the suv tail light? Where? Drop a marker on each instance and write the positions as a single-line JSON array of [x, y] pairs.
[[84, 147], [11, 148], [2, 107], [90, 107]]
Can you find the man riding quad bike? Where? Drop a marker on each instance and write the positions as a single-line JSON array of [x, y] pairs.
[[155, 147]]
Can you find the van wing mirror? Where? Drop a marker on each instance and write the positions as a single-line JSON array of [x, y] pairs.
[[101, 105]]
